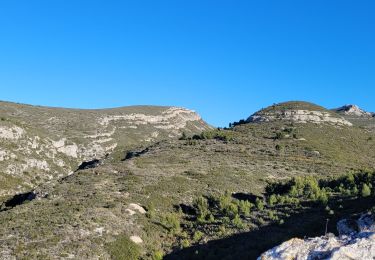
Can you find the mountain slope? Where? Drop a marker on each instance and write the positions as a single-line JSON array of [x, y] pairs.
[[101, 207], [39, 144]]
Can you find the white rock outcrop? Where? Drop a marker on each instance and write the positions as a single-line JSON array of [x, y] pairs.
[[52, 142], [11, 133], [69, 150], [354, 244], [299, 116], [353, 110], [172, 118], [6, 155]]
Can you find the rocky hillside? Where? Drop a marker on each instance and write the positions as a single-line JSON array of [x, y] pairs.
[[356, 241], [298, 112], [210, 194], [39, 144]]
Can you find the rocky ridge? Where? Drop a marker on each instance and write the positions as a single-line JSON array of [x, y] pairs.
[[353, 110], [39, 144], [298, 112]]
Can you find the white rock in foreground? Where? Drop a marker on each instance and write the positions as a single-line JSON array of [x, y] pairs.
[[136, 239], [137, 207], [358, 245]]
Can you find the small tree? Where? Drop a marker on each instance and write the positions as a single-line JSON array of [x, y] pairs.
[[272, 200], [158, 255], [237, 222], [172, 223], [244, 207], [259, 204], [366, 191], [198, 236], [227, 206], [323, 197], [201, 206]]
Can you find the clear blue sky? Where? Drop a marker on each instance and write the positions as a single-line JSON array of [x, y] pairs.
[[224, 59]]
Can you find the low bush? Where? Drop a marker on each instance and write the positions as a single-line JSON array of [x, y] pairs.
[[124, 248]]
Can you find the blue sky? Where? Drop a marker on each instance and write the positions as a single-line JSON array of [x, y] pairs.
[[224, 59]]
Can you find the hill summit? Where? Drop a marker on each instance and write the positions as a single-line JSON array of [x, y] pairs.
[[353, 110], [298, 112]]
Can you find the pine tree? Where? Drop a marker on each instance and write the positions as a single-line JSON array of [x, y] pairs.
[[366, 191]]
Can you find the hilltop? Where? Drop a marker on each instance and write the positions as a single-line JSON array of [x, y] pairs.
[[299, 112], [357, 116], [39, 144], [353, 110]]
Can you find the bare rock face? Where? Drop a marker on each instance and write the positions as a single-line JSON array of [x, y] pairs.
[[353, 110], [357, 243], [298, 112]]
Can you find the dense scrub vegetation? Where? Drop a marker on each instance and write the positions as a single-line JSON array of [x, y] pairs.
[[217, 134], [215, 216], [311, 188]]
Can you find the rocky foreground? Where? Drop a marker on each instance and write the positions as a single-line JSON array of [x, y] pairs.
[[356, 241]]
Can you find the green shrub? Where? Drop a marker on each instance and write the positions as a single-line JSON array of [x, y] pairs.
[[244, 208], [124, 248], [150, 211], [272, 215], [185, 243], [322, 197], [201, 206], [172, 223], [354, 191], [222, 230], [259, 204], [226, 221], [237, 222], [272, 200], [216, 134], [158, 255], [366, 190], [227, 206], [198, 236], [279, 135], [210, 218]]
